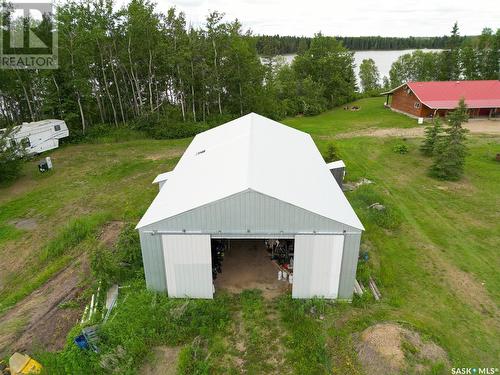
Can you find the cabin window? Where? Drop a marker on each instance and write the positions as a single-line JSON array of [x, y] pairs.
[[57, 128], [25, 142], [417, 105]]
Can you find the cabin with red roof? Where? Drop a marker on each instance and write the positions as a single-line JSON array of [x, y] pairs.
[[436, 98]]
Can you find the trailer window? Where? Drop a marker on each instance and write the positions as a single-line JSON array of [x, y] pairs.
[[57, 128]]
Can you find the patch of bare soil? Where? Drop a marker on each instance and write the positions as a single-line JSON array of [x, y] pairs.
[[388, 348], [110, 232], [474, 126], [247, 265], [466, 287], [166, 154], [24, 224], [164, 361], [42, 319]]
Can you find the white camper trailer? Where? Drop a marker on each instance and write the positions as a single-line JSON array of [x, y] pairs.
[[39, 136]]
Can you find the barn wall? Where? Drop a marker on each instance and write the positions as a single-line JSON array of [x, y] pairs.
[[349, 265], [249, 212], [317, 265], [154, 264], [188, 265], [405, 102]]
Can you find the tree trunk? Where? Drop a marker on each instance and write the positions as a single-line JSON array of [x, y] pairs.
[[217, 78], [26, 97], [134, 76], [150, 81], [192, 91], [115, 117], [117, 87]]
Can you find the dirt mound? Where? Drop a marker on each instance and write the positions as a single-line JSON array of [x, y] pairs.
[[164, 361], [388, 348]]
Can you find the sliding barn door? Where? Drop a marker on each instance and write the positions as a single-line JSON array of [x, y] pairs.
[[317, 262], [188, 265]]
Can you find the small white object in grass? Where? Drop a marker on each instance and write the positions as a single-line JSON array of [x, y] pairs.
[[280, 275]]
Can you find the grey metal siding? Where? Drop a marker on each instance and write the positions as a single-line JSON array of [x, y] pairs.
[[249, 212], [349, 265], [188, 265], [317, 266], [154, 265], [338, 174]]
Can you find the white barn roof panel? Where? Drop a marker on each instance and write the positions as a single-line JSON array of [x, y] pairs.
[[252, 152]]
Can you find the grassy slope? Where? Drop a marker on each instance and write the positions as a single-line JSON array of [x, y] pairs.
[[449, 233], [93, 182]]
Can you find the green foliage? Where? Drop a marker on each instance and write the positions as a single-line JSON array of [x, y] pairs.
[[365, 196], [329, 64], [75, 232], [144, 319], [432, 137], [159, 127], [307, 340], [269, 45], [120, 264], [11, 154], [463, 58], [332, 153], [450, 151], [400, 148], [369, 77]]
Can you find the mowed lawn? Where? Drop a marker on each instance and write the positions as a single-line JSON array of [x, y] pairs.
[[435, 259]]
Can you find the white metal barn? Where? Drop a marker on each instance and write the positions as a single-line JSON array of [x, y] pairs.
[[39, 136], [251, 178]]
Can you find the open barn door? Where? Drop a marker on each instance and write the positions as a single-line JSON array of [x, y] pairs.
[[188, 265], [317, 264]]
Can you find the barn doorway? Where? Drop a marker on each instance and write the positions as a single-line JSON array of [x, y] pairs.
[[252, 264]]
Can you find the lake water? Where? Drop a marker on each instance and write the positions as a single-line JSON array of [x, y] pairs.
[[383, 59]]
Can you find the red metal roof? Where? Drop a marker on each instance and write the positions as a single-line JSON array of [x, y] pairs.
[[446, 94]]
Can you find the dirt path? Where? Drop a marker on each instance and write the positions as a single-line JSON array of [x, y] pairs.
[[42, 320], [474, 126], [38, 320]]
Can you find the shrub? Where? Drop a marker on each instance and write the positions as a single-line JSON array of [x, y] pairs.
[[400, 148], [332, 153], [11, 162]]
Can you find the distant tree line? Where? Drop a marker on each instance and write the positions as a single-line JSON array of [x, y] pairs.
[[270, 45], [156, 73], [461, 59]]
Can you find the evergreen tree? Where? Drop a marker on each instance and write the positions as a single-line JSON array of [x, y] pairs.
[[450, 151], [432, 136]]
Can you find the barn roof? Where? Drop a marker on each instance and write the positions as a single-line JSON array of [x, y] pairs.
[[446, 94], [256, 153]]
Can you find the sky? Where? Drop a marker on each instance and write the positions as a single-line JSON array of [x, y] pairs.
[[347, 18]]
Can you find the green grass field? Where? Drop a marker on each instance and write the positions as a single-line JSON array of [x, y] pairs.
[[434, 255]]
